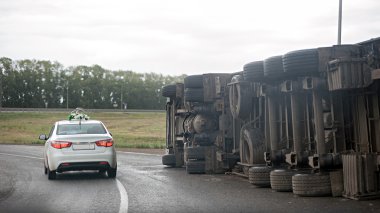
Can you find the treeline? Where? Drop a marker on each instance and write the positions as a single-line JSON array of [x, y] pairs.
[[40, 84]]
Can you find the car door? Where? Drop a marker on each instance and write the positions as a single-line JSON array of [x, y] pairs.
[[47, 143]]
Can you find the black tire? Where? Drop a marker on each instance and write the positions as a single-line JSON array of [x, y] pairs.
[[253, 71], [45, 170], [169, 160], [202, 139], [281, 180], [252, 145], [311, 185], [194, 95], [52, 175], [169, 91], [301, 62], [196, 153], [273, 67], [193, 81], [240, 101], [111, 172], [259, 176], [195, 167]]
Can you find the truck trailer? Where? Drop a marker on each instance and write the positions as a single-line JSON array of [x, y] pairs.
[[306, 122]]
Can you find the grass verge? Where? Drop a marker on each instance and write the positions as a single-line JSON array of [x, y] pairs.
[[130, 130]]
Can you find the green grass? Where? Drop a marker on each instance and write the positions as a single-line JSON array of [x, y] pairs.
[[131, 130]]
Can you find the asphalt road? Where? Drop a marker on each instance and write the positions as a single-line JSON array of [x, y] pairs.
[[144, 185]]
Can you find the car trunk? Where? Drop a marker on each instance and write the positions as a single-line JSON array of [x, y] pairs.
[[83, 143]]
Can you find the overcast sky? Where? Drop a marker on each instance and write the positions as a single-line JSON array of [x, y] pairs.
[[177, 36]]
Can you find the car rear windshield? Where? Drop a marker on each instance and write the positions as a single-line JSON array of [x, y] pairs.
[[74, 129]]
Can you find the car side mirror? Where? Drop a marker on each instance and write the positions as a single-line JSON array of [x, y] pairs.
[[43, 137]]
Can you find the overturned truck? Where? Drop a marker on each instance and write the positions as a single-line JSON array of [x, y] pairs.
[[307, 121]]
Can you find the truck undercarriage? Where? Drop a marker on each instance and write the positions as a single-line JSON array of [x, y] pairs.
[[307, 121]]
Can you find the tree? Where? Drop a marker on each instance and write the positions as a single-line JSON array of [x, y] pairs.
[[33, 83]]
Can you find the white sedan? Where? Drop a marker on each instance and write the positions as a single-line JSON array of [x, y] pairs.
[[79, 145]]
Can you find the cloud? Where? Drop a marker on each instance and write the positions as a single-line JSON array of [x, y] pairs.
[[176, 37]]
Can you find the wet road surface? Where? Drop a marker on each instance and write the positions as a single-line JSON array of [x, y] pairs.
[[144, 185]]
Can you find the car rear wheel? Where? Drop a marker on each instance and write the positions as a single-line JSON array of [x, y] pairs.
[[112, 172], [52, 175], [45, 170]]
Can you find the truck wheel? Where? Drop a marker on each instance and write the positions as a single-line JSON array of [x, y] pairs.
[[251, 145], [253, 71], [168, 160], [169, 91], [301, 62], [240, 101], [112, 172], [281, 180], [273, 67], [193, 81], [196, 153], [311, 184], [259, 176], [195, 166], [194, 95]]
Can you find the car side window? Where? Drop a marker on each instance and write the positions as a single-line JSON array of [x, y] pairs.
[[51, 131]]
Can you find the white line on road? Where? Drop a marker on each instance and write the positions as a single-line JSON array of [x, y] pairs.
[[23, 156], [123, 193], [123, 197]]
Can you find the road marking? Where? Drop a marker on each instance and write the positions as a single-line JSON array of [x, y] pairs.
[[123, 197], [139, 153], [23, 156], [123, 192]]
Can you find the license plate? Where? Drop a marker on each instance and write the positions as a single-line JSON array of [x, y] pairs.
[[83, 146]]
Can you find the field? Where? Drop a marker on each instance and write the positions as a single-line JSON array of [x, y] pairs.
[[130, 130]]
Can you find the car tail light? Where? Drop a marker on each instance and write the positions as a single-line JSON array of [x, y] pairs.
[[105, 143], [60, 144]]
